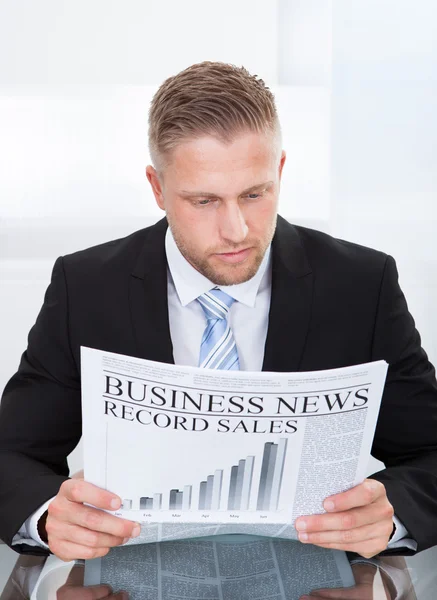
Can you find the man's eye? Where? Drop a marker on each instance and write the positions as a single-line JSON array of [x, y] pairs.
[[206, 201]]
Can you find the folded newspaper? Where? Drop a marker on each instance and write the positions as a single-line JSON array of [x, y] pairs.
[[195, 452]]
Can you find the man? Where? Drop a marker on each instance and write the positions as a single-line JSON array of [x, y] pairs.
[[301, 300]]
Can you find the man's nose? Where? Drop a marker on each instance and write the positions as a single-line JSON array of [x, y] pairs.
[[232, 225]]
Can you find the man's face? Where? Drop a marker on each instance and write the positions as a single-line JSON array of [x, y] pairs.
[[221, 203]]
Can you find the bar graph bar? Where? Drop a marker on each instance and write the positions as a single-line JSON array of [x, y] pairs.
[[272, 470], [186, 500], [247, 483], [126, 505], [263, 477], [217, 489], [208, 498], [146, 503], [241, 484], [278, 474], [202, 495], [240, 490], [172, 503], [233, 488]]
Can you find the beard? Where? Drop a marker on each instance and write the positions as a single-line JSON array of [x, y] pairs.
[[225, 273]]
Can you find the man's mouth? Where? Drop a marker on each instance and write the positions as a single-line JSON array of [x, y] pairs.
[[234, 257]]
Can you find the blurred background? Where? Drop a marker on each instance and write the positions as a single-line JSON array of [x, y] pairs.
[[356, 88]]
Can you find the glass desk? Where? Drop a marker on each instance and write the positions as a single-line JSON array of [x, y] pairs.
[[65, 582]]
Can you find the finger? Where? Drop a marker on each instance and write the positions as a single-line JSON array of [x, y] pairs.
[[380, 511], [77, 490], [364, 575], [97, 592], [361, 495], [349, 519], [90, 518], [355, 593], [75, 592], [380, 529], [68, 551], [83, 536], [75, 577]]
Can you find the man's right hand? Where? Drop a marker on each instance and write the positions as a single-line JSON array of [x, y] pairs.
[[77, 531], [73, 589]]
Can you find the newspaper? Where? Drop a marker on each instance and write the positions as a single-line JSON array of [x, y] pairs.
[[220, 570], [195, 452]]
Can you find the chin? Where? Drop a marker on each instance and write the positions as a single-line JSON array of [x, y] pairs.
[[231, 276]]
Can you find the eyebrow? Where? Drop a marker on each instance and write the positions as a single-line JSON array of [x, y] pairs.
[[187, 193]]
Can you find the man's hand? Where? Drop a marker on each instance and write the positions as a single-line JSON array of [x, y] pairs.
[[74, 589], [78, 531], [365, 587], [359, 520]]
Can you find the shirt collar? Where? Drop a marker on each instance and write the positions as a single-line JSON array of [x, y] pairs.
[[190, 284]]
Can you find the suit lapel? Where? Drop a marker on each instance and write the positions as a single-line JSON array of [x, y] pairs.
[[148, 298], [290, 305]]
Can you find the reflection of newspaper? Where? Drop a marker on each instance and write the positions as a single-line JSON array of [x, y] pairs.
[[221, 570], [194, 452]]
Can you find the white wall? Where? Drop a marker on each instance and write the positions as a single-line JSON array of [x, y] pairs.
[[356, 89], [133, 42], [384, 135]]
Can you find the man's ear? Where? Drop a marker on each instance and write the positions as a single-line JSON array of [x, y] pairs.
[[154, 181], [281, 163]]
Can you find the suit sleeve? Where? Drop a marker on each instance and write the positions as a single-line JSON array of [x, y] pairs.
[[40, 415], [406, 434]]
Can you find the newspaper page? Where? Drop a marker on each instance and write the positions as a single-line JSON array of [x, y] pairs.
[[195, 452], [220, 570]]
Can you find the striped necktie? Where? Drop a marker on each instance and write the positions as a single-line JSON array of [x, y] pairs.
[[218, 349]]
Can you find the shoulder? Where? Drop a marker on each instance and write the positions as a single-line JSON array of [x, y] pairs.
[[319, 242], [114, 256], [328, 254]]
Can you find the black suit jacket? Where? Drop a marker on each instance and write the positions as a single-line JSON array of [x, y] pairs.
[[333, 304]]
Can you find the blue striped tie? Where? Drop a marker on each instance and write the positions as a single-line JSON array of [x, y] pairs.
[[218, 349]]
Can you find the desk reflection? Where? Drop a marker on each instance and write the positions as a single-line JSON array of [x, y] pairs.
[[249, 570]]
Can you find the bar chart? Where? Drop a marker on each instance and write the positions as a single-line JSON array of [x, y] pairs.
[[240, 492]]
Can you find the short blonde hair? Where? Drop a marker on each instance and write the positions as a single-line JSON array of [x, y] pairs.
[[208, 98]]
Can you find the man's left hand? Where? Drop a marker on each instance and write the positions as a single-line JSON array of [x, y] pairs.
[[365, 587], [359, 520]]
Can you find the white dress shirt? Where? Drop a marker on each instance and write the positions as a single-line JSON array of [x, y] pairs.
[[248, 318]]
